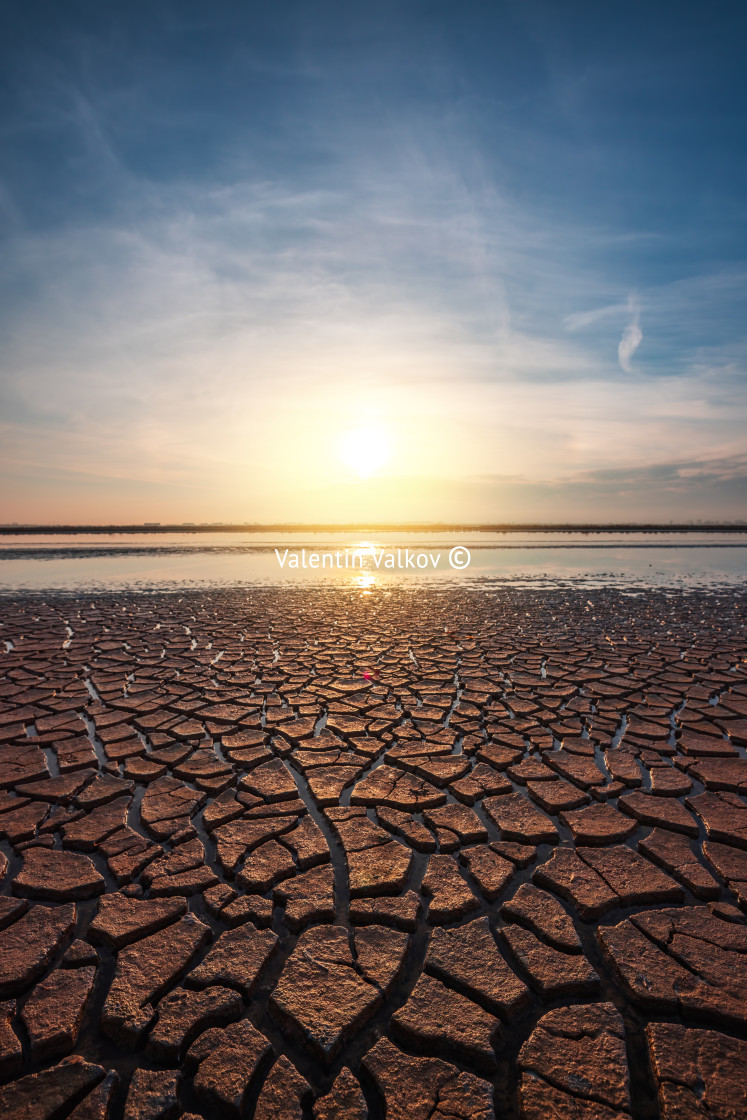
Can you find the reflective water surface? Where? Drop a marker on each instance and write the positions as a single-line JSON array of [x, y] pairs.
[[551, 559]]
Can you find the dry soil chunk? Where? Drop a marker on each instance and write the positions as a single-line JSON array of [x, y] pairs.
[[699, 1073], [43, 1096], [724, 816], [632, 877], [11, 1051], [467, 958], [283, 1093], [236, 959], [322, 997], [416, 1088], [388, 785], [491, 872], [552, 972], [518, 819], [438, 1017], [53, 1012], [571, 878], [400, 912], [344, 1101], [543, 914], [228, 1062], [121, 920], [143, 972], [451, 898], [152, 1095], [182, 1015], [97, 1105], [29, 944], [581, 1052], [598, 824], [664, 812], [673, 852], [59, 876]]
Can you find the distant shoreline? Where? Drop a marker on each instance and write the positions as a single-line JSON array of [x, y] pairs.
[[377, 527]]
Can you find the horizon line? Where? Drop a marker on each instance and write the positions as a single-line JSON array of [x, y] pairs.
[[155, 527]]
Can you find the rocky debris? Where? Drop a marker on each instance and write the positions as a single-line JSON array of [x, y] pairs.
[[144, 970], [440, 1018], [467, 959], [518, 819], [228, 1061], [47, 1095], [57, 876], [325, 993], [450, 895], [544, 915], [574, 1064], [344, 1101], [598, 824], [674, 853], [283, 1093], [27, 946], [182, 1015], [699, 1073], [416, 1088], [120, 920], [236, 959], [53, 1012], [152, 1095]]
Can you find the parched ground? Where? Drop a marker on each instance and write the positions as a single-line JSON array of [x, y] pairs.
[[423, 856]]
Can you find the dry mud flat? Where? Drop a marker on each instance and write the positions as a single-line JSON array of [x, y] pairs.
[[422, 856]]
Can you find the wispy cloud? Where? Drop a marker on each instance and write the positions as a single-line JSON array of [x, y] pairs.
[[632, 337]]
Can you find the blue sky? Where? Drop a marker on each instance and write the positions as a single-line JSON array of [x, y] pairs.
[[507, 240]]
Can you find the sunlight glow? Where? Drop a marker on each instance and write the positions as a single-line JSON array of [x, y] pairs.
[[365, 449]]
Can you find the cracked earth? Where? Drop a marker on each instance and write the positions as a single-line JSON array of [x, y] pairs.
[[317, 855]]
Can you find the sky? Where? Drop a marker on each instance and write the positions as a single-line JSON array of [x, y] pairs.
[[416, 260]]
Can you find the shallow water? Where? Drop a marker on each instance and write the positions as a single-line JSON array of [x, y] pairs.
[[121, 561]]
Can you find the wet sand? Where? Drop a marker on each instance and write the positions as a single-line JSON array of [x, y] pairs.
[[317, 853]]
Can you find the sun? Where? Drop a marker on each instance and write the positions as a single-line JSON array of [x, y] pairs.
[[365, 449]]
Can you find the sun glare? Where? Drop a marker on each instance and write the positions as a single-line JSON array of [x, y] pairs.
[[365, 450]]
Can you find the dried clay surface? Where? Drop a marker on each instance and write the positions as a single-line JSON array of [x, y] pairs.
[[385, 855]]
